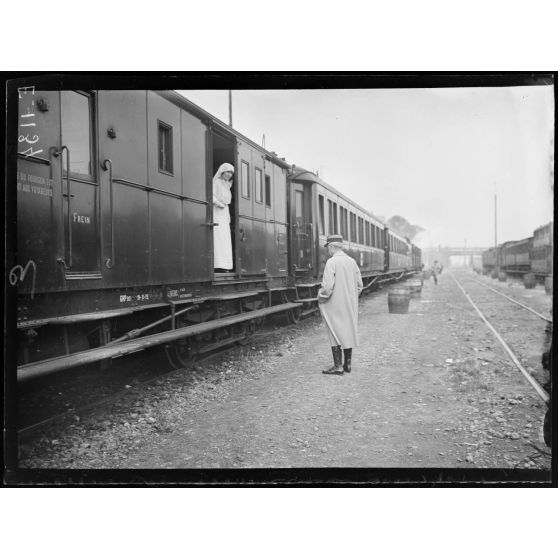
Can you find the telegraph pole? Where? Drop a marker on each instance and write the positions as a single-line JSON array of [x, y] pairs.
[[495, 222]]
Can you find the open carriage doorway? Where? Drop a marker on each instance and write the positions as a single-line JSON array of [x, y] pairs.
[[223, 150]]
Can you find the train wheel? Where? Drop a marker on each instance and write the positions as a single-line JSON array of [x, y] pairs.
[[181, 353]]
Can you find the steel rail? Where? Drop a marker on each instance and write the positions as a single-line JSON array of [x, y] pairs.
[[513, 300], [540, 391]]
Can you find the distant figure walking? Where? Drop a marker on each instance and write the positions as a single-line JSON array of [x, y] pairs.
[[436, 270], [338, 303], [222, 197]]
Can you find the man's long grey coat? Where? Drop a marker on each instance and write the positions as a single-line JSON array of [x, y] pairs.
[[338, 297]]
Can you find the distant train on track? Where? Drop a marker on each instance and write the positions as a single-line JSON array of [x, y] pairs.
[[115, 230], [533, 255]]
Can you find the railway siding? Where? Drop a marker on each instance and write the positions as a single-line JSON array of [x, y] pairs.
[[431, 388]]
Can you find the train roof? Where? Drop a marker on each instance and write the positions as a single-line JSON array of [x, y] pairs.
[[196, 110], [548, 225], [510, 242]]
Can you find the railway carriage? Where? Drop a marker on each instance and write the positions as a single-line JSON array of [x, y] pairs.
[[317, 210], [399, 252], [520, 257], [416, 255], [115, 230], [119, 228], [542, 251], [516, 256]]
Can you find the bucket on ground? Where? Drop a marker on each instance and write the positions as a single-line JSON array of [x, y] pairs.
[[548, 285], [502, 276], [398, 300], [415, 287], [529, 280]]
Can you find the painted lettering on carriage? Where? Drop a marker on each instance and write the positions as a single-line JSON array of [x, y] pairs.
[[137, 298], [85, 219], [34, 184], [179, 293], [26, 138], [18, 273]]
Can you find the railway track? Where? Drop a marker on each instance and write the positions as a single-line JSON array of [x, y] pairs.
[[488, 307], [547, 319]]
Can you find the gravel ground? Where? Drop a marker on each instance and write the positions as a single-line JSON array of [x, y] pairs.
[[431, 388]]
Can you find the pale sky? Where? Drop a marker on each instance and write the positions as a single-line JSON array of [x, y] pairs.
[[433, 156]]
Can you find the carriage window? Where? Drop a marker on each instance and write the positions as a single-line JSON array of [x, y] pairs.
[[321, 214], [244, 180], [330, 217], [165, 147], [77, 130], [298, 207], [353, 227], [335, 227], [259, 186], [267, 190], [367, 226], [360, 231]]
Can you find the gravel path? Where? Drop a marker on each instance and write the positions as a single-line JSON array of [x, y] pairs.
[[430, 388]]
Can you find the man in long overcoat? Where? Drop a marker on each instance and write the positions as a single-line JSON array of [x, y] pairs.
[[338, 303]]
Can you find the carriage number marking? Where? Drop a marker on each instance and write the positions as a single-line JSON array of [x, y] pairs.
[[27, 138]]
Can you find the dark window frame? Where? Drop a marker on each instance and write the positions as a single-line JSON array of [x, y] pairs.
[[92, 138], [256, 171], [245, 165], [299, 205], [330, 217], [267, 180], [168, 161], [335, 219], [321, 215], [360, 230]]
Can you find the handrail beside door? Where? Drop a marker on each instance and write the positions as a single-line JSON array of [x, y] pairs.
[[68, 194]]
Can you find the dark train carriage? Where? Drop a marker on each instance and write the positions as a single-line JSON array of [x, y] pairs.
[[543, 251], [318, 210], [416, 257], [115, 226], [515, 256], [399, 253]]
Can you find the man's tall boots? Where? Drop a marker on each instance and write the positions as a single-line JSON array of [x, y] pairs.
[[337, 367], [348, 356]]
